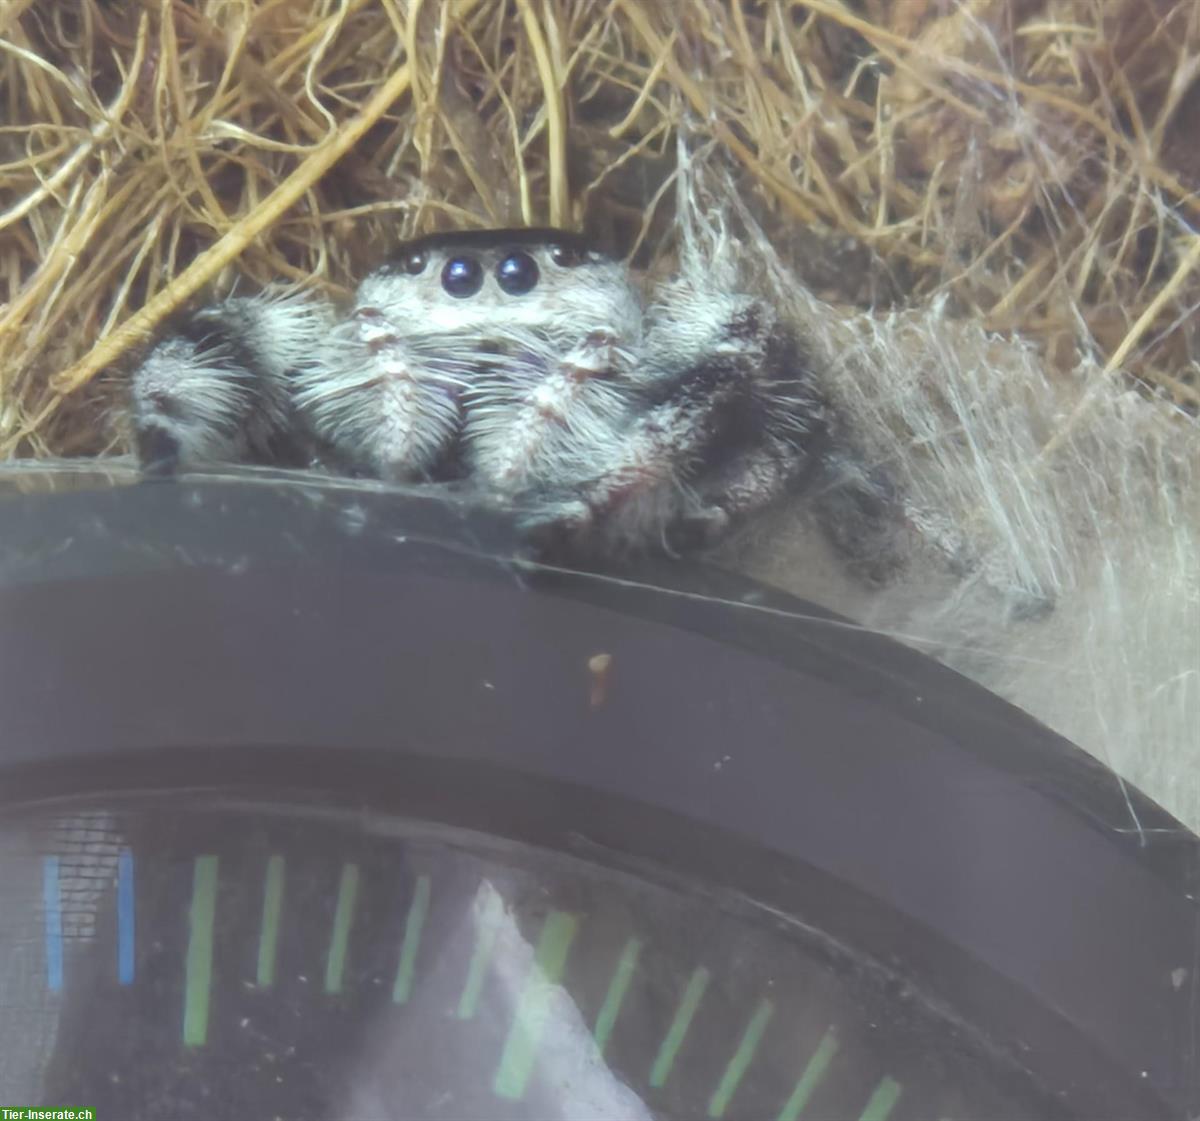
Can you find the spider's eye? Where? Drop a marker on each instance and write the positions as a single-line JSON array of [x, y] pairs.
[[462, 277], [415, 262], [517, 274], [567, 256]]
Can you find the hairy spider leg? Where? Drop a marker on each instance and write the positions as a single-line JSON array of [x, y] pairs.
[[215, 390]]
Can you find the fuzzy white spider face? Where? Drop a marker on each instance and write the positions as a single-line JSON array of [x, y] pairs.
[[443, 345]]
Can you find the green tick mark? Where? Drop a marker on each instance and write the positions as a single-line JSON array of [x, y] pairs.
[[413, 925], [343, 919], [268, 939], [736, 1069], [529, 1021], [486, 929], [810, 1079], [692, 996], [886, 1094], [617, 988], [198, 970]]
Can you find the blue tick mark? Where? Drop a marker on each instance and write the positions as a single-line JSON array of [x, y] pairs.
[[52, 910], [125, 922]]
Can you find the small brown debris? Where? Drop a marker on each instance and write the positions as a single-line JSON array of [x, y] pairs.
[[599, 666]]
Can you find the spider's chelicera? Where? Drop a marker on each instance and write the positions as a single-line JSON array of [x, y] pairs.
[[525, 362]]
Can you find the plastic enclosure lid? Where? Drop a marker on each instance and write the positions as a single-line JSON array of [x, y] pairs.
[[256, 625]]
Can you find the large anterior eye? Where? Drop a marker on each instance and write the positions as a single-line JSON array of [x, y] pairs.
[[517, 274], [462, 277]]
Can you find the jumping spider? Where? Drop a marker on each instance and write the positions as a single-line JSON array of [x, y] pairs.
[[525, 363]]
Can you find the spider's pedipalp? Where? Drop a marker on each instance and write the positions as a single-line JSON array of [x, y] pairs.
[[382, 404], [381, 391], [539, 415]]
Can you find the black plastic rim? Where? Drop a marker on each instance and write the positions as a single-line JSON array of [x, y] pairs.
[[387, 650]]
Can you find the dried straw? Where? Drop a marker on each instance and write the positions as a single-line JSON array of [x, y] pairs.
[[1034, 160]]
